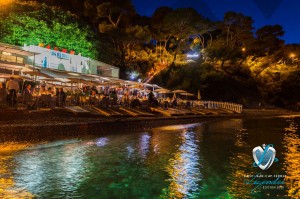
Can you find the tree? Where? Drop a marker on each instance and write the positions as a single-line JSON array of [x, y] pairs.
[[157, 25], [181, 24], [269, 45], [234, 42], [33, 23], [118, 23], [268, 41]]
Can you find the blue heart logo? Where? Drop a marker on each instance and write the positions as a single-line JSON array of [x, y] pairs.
[[264, 157]]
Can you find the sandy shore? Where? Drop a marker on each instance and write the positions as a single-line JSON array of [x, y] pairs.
[[41, 125]]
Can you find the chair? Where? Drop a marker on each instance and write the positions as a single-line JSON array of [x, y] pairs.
[[135, 103], [188, 105], [145, 105], [68, 100], [82, 100], [3, 102], [28, 102], [45, 101], [114, 102], [105, 102]]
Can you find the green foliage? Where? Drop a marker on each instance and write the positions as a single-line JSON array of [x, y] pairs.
[[122, 29], [268, 41], [214, 85], [157, 23], [183, 22], [235, 33], [32, 23], [288, 95]]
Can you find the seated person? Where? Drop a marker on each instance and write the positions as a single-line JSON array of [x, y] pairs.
[[135, 103], [49, 91], [114, 97], [155, 103], [174, 103], [43, 90], [105, 101], [53, 90], [188, 105], [61, 97], [93, 97], [27, 97]]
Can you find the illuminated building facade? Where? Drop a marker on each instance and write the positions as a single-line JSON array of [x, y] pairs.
[[13, 60]]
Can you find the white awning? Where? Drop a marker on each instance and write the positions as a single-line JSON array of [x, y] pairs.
[[55, 74], [15, 50]]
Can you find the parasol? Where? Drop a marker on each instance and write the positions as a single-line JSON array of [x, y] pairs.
[[187, 94], [199, 96], [179, 91], [162, 90]]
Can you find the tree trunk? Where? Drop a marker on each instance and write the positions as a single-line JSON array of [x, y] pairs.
[[267, 66], [166, 41], [174, 59], [222, 65], [239, 66]]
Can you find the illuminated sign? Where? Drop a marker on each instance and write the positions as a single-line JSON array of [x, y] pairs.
[[60, 55], [192, 55]]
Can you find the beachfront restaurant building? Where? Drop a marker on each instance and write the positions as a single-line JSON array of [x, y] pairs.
[[35, 60]]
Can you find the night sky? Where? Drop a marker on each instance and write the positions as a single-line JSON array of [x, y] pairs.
[[263, 12]]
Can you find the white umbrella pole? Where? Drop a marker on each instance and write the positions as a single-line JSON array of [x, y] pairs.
[[23, 85]]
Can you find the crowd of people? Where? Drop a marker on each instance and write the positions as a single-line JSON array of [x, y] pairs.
[[37, 95], [105, 96], [12, 93]]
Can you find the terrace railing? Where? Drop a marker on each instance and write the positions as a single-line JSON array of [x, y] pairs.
[[238, 108]]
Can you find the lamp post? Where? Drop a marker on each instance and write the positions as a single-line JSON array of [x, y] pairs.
[[292, 56]]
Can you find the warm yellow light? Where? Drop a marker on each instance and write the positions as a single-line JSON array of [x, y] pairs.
[[244, 49], [292, 55], [5, 2]]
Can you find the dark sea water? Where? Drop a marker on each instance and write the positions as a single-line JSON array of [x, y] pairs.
[[203, 160]]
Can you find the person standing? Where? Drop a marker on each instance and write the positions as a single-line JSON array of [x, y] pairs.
[[151, 97], [12, 87], [3, 95]]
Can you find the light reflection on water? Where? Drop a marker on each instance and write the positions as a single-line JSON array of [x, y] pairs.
[[7, 181], [292, 159], [184, 169], [206, 160], [239, 165], [60, 164]]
